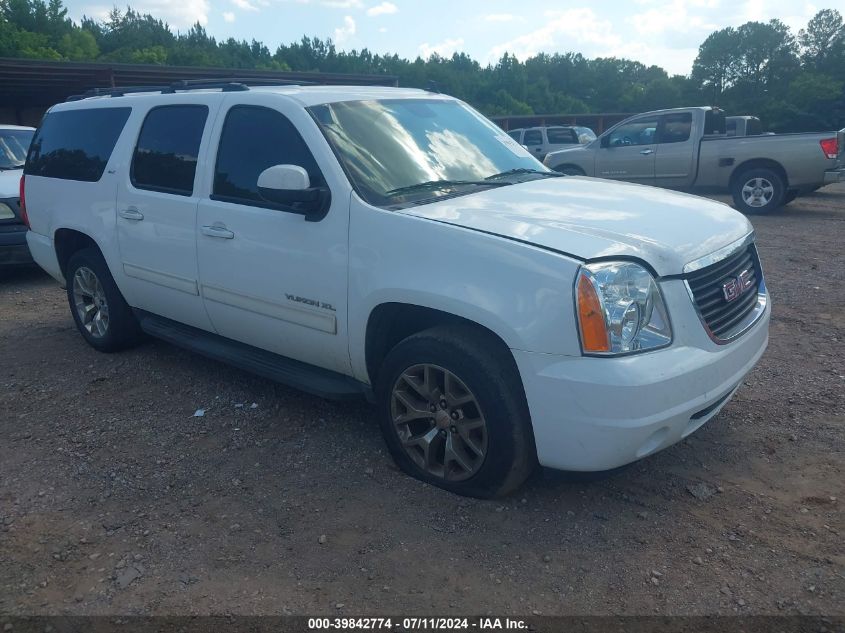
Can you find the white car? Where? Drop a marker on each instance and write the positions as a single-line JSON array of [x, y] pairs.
[[539, 141], [395, 244], [14, 142]]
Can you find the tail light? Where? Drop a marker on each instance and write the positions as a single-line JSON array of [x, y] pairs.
[[22, 203], [830, 147]]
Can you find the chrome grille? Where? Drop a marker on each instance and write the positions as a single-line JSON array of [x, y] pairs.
[[707, 285]]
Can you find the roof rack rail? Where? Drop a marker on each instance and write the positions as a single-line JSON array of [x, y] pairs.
[[225, 85]]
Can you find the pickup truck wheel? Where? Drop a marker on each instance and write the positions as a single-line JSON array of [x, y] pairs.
[[453, 412], [758, 191], [101, 314], [569, 170]]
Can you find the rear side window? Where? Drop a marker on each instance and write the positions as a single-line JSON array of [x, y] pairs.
[[76, 144], [532, 137], [253, 139], [515, 135], [714, 122], [561, 136], [676, 127], [165, 157]]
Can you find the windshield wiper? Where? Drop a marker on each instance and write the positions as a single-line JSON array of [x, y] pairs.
[[524, 170], [433, 185], [11, 167]]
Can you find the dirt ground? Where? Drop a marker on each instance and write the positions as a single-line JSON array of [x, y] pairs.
[[115, 499]]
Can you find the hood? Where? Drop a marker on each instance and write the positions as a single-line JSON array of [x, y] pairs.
[[570, 150], [10, 183], [589, 218]]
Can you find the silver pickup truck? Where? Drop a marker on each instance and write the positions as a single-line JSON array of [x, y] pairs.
[[688, 149]]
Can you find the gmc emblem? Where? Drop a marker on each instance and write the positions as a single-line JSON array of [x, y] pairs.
[[734, 287]]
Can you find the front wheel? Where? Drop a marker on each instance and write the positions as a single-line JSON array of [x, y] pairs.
[[453, 413], [101, 314], [758, 190]]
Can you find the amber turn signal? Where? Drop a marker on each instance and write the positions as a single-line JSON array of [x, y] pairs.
[[594, 337]]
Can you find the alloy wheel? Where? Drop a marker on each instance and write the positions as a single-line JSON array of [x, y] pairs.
[[758, 192], [89, 298], [439, 422]]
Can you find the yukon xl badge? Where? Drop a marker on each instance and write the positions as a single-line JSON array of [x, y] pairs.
[[310, 302], [735, 287]]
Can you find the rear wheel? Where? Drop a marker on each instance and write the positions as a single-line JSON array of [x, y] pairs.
[[101, 314], [758, 190], [453, 413]]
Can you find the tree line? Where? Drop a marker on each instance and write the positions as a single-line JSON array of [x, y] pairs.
[[794, 82]]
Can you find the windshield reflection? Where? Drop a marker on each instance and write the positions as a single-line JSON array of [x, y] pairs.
[[394, 144]]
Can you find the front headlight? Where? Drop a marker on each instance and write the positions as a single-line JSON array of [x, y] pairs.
[[620, 309], [6, 212]]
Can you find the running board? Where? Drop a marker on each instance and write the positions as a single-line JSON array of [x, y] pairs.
[[293, 373]]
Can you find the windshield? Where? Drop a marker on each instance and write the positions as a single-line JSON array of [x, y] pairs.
[[13, 147], [399, 152]]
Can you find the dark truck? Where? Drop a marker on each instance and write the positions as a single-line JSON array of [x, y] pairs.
[[688, 149]]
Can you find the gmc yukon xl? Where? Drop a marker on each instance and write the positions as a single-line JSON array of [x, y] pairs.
[[395, 244]]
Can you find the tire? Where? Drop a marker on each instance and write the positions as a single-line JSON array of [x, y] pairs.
[[483, 384], [100, 312], [570, 170], [758, 190], [789, 196]]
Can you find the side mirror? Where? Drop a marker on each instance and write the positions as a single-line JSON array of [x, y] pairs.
[[605, 141], [290, 186]]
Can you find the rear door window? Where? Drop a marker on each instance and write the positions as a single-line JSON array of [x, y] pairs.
[[532, 137], [561, 136], [76, 144], [676, 127], [253, 139], [165, 157]]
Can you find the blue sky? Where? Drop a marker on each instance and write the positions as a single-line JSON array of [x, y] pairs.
[[663, 32]]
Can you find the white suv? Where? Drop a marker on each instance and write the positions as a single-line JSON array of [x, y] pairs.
[[394, 243]]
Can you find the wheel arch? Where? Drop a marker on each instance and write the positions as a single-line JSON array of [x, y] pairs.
[[758, 163], [563, 166], [67, 242], [391, 322]]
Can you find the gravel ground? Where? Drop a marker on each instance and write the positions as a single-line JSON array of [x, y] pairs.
[[115, 499]]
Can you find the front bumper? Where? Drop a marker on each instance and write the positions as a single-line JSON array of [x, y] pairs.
[[834, 175], [13, 248], [594, 414]]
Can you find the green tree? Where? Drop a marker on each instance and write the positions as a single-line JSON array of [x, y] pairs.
[[823, 41]]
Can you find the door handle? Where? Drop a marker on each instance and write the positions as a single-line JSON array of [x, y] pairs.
[[219, 231], [646, 152], [131, 214]]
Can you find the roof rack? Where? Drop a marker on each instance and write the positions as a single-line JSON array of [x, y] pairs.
[[225, 85]]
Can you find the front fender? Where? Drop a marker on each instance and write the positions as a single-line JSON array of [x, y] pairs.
[[520, 292]]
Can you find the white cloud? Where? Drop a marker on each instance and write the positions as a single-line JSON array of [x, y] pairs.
[[97, 11], [571, 28], [180, 14], [341, 4], [244, 5], [500, 17], [343, 33], [228, 16], [675, 17], [667, 34], [385, 8], [382, 29], [444, 48]]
